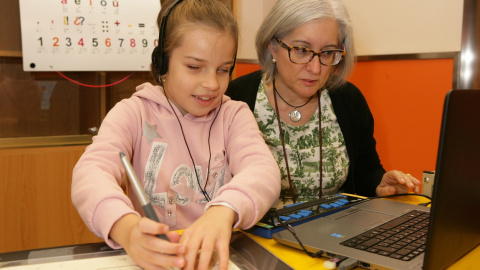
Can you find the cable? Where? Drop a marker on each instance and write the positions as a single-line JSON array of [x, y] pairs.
[[203, 189], [292, 231], [94, 86], [209, 148], [204, 192]]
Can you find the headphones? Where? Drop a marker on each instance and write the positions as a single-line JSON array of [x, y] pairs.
[[159, 56]]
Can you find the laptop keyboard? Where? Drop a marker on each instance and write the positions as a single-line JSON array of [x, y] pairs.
[[403, 238]]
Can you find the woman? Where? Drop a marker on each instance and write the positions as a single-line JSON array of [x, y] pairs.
[[305, 50]]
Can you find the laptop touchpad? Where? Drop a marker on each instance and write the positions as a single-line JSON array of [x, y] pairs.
[[361, 217]]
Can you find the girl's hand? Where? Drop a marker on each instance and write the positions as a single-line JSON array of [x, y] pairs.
[[209, 236], [138, 237]]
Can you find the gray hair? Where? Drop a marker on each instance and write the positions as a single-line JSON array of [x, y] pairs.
[[286, 15]]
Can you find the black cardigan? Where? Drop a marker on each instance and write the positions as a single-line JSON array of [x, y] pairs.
[[356, 122]]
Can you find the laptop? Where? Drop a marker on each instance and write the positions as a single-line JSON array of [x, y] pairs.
[[452, 223]]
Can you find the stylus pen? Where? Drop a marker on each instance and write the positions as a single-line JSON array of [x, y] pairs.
[[142, 197]]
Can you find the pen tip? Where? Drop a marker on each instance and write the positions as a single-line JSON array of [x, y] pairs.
[[122, 154]]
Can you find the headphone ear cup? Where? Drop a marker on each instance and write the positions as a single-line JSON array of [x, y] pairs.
[[160, 60], [233, 66], [163, 63], [156, 59]]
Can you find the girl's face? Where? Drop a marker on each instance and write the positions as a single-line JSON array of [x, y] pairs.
[[303, 80], [198, 70]]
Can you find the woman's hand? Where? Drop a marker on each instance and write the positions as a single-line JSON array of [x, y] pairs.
[[397, 182], [209, 234], [138, 237]]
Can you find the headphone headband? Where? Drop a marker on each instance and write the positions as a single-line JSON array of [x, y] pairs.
[[159, 56]]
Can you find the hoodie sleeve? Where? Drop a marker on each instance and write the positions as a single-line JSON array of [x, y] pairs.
[[255, 185], [96, 183]]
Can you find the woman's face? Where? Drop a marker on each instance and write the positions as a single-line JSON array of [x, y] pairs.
[[305, 79], [198, 70]]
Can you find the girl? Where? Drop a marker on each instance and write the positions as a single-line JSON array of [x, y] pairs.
[[204, 164]]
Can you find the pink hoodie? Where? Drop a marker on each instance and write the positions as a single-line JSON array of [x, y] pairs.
[[243, 173]]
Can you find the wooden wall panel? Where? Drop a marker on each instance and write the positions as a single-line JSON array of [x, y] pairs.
[[10, 43], [35, 204]]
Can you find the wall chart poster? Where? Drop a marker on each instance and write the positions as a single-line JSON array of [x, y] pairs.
[[88, 35]]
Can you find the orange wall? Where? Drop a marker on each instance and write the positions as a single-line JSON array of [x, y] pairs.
[[243, 68], [406, 99]]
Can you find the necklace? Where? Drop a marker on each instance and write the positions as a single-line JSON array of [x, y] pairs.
[[294, 115], [285, 152]]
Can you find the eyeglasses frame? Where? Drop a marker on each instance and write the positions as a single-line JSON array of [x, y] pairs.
[[289, 48]]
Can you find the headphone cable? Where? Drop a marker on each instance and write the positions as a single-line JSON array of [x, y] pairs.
[[203, 189]]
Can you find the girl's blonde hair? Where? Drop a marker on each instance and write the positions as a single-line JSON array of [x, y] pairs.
[[194, 14]]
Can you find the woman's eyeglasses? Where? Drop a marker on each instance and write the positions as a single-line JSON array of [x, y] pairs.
[[301, 55]]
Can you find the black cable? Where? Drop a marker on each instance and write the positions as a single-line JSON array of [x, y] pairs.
[[203, 189], [292, 231], [209, 149]]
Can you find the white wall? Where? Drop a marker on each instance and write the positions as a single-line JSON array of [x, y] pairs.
[[381, 27], [250, 14]]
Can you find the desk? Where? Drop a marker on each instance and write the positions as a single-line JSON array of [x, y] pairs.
[[263, 260]]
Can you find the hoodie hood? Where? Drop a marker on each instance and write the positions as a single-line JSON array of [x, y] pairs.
[[154, 94]]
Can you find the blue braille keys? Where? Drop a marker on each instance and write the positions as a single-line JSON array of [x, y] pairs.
[[295, 216], [325, 206]]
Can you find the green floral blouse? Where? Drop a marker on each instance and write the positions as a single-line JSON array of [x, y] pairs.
[[301, 144]]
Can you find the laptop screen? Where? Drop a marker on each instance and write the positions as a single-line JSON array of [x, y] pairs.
[[454, 222]]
